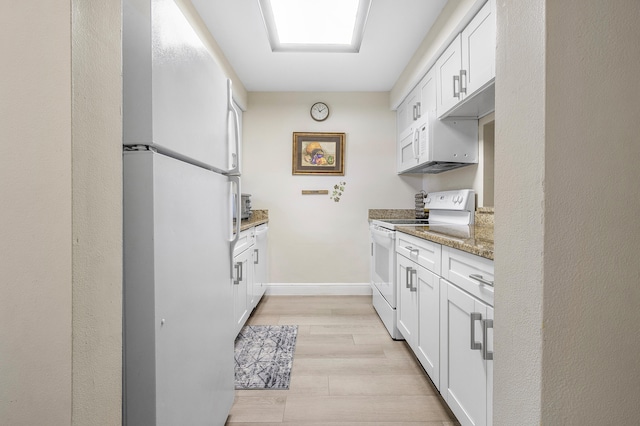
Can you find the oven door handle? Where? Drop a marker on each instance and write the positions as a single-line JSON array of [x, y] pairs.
[[385, 234]]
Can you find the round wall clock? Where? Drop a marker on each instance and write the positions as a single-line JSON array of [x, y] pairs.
[[319, 111]]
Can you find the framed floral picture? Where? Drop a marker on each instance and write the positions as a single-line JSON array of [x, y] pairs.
[[318, 154]]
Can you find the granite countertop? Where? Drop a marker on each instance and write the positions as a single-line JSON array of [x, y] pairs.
[[475, 239], [258, 217]]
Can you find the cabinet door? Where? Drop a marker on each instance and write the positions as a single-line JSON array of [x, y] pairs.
[[448, 68], [404, 117], [479, 50], [463, 371], [427, 112], [240, 290], [429, 323], [408, 300], [260, 263]]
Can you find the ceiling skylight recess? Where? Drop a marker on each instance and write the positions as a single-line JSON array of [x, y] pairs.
[[315, 25]]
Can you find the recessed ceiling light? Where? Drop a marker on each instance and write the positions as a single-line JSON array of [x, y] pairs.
[[315, 26]]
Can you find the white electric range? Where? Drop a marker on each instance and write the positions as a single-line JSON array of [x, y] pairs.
[[447, 209]]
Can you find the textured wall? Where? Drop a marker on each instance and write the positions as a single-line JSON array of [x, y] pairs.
[[313, 239], [60, 185], [97, 212], [519, 212], [591, 338], [35, 230], [567, 153]]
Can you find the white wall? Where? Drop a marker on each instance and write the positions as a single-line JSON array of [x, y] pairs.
[[60, 238], [97, 212], [313, 239], [35, 188], [566, 229]]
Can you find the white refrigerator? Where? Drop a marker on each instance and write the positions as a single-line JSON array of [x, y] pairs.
[[181, 182]]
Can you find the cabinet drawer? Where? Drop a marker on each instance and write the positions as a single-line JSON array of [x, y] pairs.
[[245, 240], [466, 270], [426, 253]]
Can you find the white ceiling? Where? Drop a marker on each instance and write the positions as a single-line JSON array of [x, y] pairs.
[[393, 32]]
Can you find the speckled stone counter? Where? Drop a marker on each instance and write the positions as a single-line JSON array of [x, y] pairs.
[[475, 239], [392, 214], [258, 217]]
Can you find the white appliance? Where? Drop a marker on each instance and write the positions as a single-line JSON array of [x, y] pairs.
[[447, 210], [181, 180]]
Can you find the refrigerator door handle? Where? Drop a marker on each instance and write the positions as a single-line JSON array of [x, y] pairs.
[[235, 222], [235, 150]]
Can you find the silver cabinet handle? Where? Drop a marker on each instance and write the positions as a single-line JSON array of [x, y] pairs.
[[463, 81], [372, 249], [415, 113], [456, 93], [481, 279], [413, 272], [486, 353], [475, 346], [411, 249], [238, 268], [419, 110], [406, 276], [257, 252]]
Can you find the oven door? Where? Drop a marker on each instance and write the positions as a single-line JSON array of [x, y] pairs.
[[383, 264]]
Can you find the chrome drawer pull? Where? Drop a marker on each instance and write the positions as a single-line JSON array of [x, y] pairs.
[[413, 271], [411, 249], [456, 93], [238, 268], [475, 316], [255, 262], [486, 353], [480, 279], [463, 81], [407, 271]]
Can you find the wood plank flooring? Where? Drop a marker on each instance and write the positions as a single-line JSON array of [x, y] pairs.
[[347, 371]]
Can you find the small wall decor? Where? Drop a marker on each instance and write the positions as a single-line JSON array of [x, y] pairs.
[[338, 189], [318, 154]]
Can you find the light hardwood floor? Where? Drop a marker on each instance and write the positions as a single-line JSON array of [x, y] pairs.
[[347, 371]]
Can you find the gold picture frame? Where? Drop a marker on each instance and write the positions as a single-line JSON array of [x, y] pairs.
[[318, 154]]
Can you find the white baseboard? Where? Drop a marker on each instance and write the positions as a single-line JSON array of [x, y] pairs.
[[319, 289]]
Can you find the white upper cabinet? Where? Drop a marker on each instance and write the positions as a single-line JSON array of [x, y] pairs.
[[448, 68], [479, 50], [426, 139], [406, 119], [465, 72]]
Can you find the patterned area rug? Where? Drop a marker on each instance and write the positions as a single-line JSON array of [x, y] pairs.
[[264, 355]]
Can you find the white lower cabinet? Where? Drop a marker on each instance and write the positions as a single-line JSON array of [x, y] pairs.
[[445, 313], [260, 263], [250, 273], [465, 344], [428, 351], [408, 300], [243, 278], [418, 265]]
